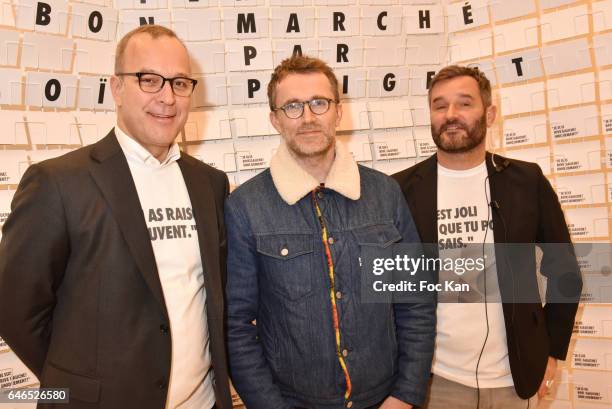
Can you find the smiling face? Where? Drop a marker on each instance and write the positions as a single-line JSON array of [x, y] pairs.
[[311, 135], [459, 119], [153, 120]]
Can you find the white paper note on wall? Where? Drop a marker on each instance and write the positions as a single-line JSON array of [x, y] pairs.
[[252, 121], [541, 156], [581, 189], [526, 130], [574, 157], [393, 144], [253, 154], [564, 23], [587, 223], [574, 123], [220, 155], [208, 125], [390, 114], [593, 354], [358, 144], [522, 98], [46, 52], [197, 25], [354, 117], [594, 321], [11, 161]]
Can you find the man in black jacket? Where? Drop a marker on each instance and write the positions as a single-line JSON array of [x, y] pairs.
[[464, 194]]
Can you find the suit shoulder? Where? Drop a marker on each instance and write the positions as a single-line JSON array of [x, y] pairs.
[[404, 177], [69, 162], [215, 174], [521, 167]]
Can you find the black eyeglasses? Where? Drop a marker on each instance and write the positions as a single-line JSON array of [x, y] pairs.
[[152, 83], [317, 106]]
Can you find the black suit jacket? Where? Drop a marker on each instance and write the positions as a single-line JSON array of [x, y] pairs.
[[526, 210], [81, 303]]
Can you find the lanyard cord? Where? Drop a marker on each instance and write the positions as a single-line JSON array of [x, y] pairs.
[[332, 294]]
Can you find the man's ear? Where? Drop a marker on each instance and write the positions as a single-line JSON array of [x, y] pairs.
[[275, 122], [339, 113], [116, 85], [491, 115]]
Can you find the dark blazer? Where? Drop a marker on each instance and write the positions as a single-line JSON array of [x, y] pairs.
[[525, 210], [81, 303]]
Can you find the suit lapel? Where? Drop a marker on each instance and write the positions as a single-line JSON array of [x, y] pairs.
[[424, 200], [112, 174], [202, 200]]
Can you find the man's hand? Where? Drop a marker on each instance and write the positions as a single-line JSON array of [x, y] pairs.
[[549, 376], [394, 403]]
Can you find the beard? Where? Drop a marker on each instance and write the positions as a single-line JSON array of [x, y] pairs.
[[473, 137], [305, 150]]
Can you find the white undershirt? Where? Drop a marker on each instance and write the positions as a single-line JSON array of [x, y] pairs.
[[461, 327], [169, 217]]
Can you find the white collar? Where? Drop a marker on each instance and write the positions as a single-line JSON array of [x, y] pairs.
[[293, 182], [136, 152]]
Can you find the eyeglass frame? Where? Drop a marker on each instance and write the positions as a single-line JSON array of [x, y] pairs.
[[164, 80], [304, 103]]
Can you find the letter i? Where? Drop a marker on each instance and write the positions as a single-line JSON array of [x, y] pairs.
[[101, 90]]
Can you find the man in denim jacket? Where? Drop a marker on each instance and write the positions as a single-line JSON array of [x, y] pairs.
[[299, 335]]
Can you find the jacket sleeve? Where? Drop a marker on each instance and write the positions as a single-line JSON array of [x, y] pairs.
[[415, 327], [249, 368], [33, 254], [560, 267]]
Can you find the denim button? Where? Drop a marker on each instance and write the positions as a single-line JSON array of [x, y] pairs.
[[338, 295], [284, 252], [345, 354], [330, 240], [349, 404]]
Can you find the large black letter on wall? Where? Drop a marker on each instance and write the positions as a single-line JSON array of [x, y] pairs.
[[253, 85], [293, 24], [250, 52], [389, 82], [424, 19], [517, 62], [467, 14], [339, 18], [43, 11], [246, 24], [341, 52], [53, 89], [95, 21], [430, 75], [144, 21], [297, 50], [379, 23]]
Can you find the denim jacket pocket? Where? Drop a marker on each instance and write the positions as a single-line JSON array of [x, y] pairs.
[[287, 261], [378, 235]]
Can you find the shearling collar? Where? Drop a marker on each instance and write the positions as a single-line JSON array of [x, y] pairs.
[[293, 182]]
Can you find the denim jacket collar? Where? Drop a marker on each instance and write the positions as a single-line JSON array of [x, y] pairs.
[[293, 182]]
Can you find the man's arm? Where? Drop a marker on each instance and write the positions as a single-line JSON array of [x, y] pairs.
[[415, 327], [561, 268], [33, 256], [250, 372]]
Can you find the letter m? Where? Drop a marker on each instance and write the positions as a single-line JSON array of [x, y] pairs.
[[246, 23]]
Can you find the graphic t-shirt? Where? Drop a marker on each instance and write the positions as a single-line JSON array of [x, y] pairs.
[[172, 229], [464, 219]]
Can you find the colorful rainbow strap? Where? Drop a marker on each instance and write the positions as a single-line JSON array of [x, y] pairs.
[[332, 295]]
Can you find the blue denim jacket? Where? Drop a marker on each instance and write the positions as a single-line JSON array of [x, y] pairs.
[[278, 276]]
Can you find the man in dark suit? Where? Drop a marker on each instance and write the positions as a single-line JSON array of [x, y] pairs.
[[511, 348], [112, 261]]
